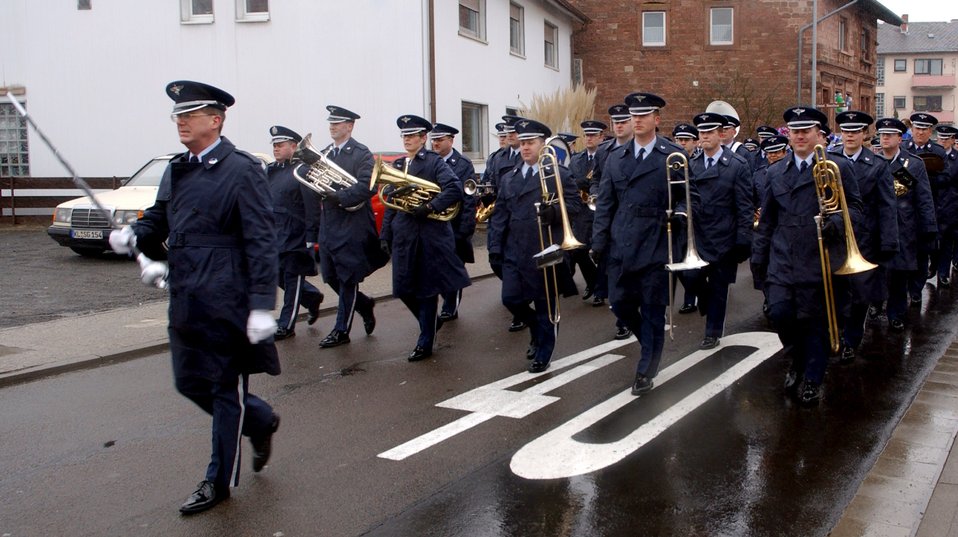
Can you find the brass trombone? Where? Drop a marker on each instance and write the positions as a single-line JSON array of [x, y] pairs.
[[675, 162], [831, 200], [552, 255]]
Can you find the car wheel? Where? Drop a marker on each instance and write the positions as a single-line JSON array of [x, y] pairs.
[[86, 251]]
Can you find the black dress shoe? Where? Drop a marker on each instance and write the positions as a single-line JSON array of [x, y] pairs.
[[334, 339], [811, 394], [848, 355], [791, 384], [944, 281], [596, 302], [538, 367], [588, 293], [710, 342], [419, 353], [517, 326], [688, 308], [282, 333], [896, 324], [446, 316], [263, 445], [642, 384], [369, 319], [313, 316], [532, 350], [622, 333], [204, 497]]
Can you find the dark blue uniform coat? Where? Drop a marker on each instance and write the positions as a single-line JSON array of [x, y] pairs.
[[916, 211], [943, 189], [464, 224], [514, 232], [722, 208], [222, 258], [424, 251], [290, 218], [584, 171], [630, 220], [347, 236]]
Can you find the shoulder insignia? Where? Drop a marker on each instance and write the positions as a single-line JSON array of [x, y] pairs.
[[213, 160]]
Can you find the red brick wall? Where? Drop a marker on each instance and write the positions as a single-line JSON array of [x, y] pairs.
[[757, 73]]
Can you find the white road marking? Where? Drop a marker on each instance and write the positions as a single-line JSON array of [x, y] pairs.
[[491, 400], [557, 454]]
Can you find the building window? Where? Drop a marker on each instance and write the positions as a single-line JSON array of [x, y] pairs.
[[196, 11], [901, 65], [653, 29], [899, 102], [474, 131], [879, 105], [866, 45], [720, 27], [927, 103], [14, 157], [512, 111], [928, 67], [472, 19], [551, 41], [843, 34], [84, 5], [880, 71], [252, 10], [517, 33]]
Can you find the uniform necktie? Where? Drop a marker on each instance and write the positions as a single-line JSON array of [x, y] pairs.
[[803, 167], [590, 158], [194, 159], [529, 174], [335, 152], [710, 163], [641, 155]]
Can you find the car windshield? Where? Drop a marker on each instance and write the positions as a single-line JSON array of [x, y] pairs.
[[150, 174]]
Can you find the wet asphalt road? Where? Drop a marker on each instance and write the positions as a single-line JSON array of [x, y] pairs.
[[114, 450]]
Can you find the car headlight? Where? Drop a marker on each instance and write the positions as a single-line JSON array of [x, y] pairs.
[[125, 218], [62, 215]]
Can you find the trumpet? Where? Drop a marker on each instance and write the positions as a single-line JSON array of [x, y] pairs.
[[552, 255], [472, 188], [319, 173], [407, 191], [831, 200]]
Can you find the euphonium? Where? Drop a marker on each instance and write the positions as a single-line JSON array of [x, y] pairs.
[[318, 172], [407, 191], [831, 200], [471, 188], [551, 255]]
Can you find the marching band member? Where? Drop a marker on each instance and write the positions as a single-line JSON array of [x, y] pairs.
[[774, 149], [213, 209], [292, 237], [917, 226], [786, 253], [584, 166], [876, 233], [721, 187], [514, 239], [686, 136], [348, 242], [464, 223], [763, 132], [629, 232], [727, 136], [948, 214], [423, 249], [921, 145]]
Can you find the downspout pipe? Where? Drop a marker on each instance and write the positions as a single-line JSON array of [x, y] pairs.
[[429, 57], [801, 32]]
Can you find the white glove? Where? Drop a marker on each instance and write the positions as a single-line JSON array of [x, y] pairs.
[[153, 272], [260, 325], [123, 240]]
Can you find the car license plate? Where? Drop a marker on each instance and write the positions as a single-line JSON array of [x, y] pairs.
[[87, 233]]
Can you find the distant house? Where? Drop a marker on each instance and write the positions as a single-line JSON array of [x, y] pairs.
[[93, 73], [916, 69], [754, 55]]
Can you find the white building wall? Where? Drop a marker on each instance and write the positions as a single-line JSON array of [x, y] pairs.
[[95, 79]]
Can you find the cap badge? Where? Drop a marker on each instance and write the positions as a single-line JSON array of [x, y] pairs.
[[798, 111], [523, 124], [405, 119], [175, 89], [274, 131], [639, 98], [851, 115]]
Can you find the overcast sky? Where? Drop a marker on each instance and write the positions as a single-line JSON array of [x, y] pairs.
[[924, 10]]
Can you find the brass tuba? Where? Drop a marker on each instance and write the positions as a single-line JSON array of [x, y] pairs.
[[319, 173], [831, 200], [407, 192], [552, 255]]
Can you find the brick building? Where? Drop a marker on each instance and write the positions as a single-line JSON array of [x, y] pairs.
[[746, 52]]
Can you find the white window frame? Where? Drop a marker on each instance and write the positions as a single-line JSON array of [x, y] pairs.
[[480, 148], [842, 34], [880, 71], [879, 105], [548, 28], [712, 39], [243, 15], [518, 49], [899, 99], [646, 42], [188, 17], [478, 6]]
